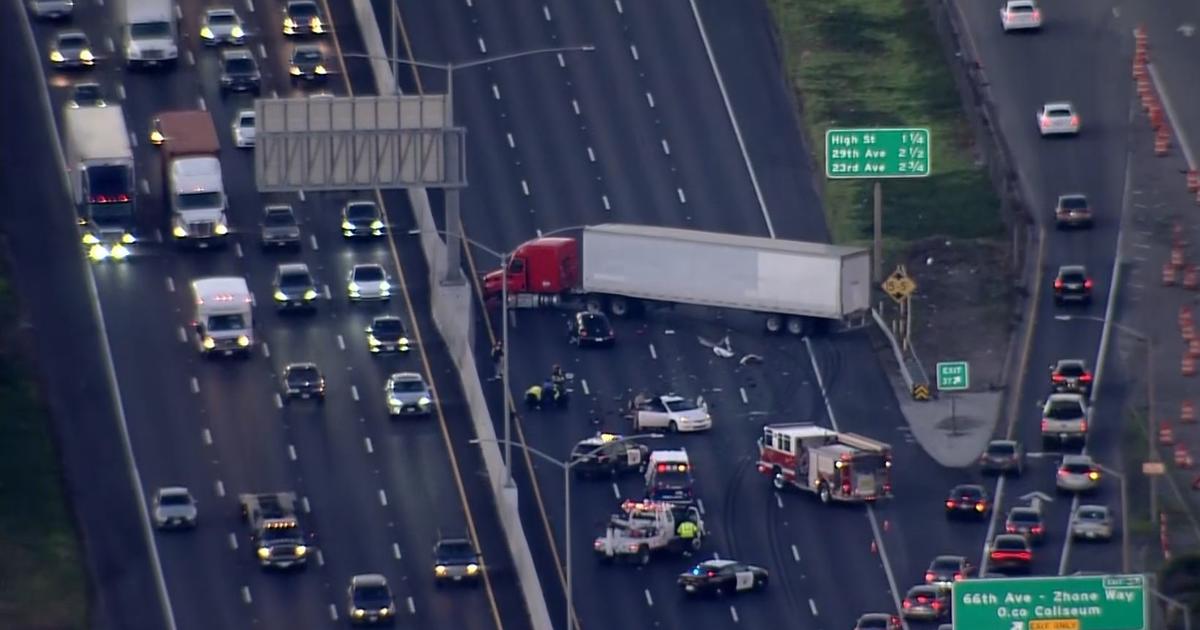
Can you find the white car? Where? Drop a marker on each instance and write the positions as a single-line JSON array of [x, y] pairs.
[[222, 26], [368, 281], [407, 394], [174, 508], [670, 412], [1058, 118], [244, 128], [51, 9], [1020, 15], [1092, 522], [1077, 473]]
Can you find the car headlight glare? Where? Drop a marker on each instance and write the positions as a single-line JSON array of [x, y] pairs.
[[128, 238], [237, 32], [294, 70], [209, 343], [90, 239], [310, 294], [315, 25], [289, 23], [353, 287], [385, 286], [179, 231], [440, 570], [472, 569], [377, 224], [301, 550], [243, 340], [206, 33], [424, 401], [280, 296], [346, 225], [97, 252], [86, 55], [56, 56], [119, 252], [403, 341], [372, 341], [320, 69], [264, 553], [156, 137], [221, 229], [385, 611]]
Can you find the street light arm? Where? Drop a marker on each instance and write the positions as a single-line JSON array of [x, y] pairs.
[[517, 55], [409, 62], [499, 254], [528, 449]]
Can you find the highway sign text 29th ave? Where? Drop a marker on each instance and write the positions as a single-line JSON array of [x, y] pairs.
[[1093, 602], [877, 153]]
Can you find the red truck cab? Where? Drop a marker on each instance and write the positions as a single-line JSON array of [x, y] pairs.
[[548, 266]]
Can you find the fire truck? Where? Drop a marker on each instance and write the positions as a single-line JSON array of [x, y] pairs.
[[836, 466]]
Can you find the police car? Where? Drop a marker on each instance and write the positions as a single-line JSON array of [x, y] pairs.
[[605, 454], [722, 577]]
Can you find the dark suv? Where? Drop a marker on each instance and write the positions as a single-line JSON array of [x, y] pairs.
[[303, 380], [455, 560], [1072, 284], [1072, 211], [239, 71], [1071, 376]]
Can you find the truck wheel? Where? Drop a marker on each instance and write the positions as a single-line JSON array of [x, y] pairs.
[[824, 494], [778, 481], [774, 324], [594, 304], [797, 326], [618, 306], [643, 557]]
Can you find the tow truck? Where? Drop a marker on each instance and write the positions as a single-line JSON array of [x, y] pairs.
[[646, 527], [277, 539]]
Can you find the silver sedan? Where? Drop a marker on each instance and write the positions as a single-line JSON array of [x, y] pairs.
[[1092, 522]]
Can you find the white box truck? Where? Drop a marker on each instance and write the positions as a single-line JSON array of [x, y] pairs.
[[101, 165], [224, 318], [149, 33], [195, 188], [625, 267]]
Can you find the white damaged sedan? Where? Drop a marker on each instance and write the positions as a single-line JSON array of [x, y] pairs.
[[670, 412]]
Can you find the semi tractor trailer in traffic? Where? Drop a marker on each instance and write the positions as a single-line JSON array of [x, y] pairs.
[[195, 189], [624, 268], [100, 160]]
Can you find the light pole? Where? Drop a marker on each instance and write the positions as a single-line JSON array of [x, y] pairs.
[[453, 270], [1124, 515], [504, 258], [1151, 420], [566, 468]]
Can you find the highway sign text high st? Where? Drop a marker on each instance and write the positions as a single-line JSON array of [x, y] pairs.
[[877, 153], [1093, 602]]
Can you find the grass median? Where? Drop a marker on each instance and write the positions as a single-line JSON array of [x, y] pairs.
[[43, 583], [878, 63]]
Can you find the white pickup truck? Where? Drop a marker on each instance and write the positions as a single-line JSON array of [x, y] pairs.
[[646, 527]]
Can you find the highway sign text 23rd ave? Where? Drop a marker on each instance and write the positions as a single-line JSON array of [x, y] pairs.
[[877, 153], [1093, 602]]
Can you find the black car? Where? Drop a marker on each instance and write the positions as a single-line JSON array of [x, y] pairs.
[[1027, 522], [280, 227], [455, 560], [944, 571], [1071, 376], [590, 328], [925, 602], [606, 455], [294, 287], [878, 621], [1072, 284], [370, 600], [968, 500], [87, 95], [1003, 457], [302, 17], [387, 333], [1010, 553], [308, 63], [303, 380], [239, 71], [361, 218], [722, 577]]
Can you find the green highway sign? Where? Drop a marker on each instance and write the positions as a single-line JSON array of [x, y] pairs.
[[953, 376], [877, 153], [1091, 602]]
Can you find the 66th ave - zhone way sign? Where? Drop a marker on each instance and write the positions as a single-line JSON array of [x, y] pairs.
[[1093, 602]]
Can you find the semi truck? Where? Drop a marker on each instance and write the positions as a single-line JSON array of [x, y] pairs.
[[623, 268], [149, 33], [101, 165], [275, 533], [842, 467], [195, 189], [224, 318]]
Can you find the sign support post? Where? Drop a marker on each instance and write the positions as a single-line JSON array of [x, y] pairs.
[[879, 231]]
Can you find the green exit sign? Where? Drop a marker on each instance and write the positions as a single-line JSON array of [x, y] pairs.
[[877, 153]]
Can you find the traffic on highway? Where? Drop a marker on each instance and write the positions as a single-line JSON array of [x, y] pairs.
[[680, 369]]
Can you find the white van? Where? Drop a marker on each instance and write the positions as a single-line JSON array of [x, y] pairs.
[[149, 33]]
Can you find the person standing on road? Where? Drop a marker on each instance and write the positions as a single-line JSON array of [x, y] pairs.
[[497, 360], [686, 531]]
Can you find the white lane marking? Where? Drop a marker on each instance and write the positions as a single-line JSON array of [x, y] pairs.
[[301, 192], [682, 198], [266, 349], [341, 343], [700, 506], [591, 155], [292, 452], [189, 58], [779, 500], [250, 3], [396, 551], [237, 248], [812, 606], [278, 401], [320, 558], [133, 139], [716, 556], [653, 352], [182, 335], [575, 106], [326, 292], [178, 13], [233, 543], [206, 435], [666, 147], [354, 391], [604, 198], [737, 130], [795, 553], [562, 61], [312, 238], [512, 144], [745, 397], [219, 487], [201, 103], [121, 91], [525, 187], [246, 595], [616, 490], [997, 499], [620, 9], [650, 100], [382, 497], [495, 91], [583, 383], [333, 616], [145, 186], [733, 613], [369, 445], [649, 600], [195, 385], [108, 44], [469, 3], [633, 51], [262, 51], [546, 12], [412, 606], [305, 505], [482, 46], [170, 284], [1183, 142]]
